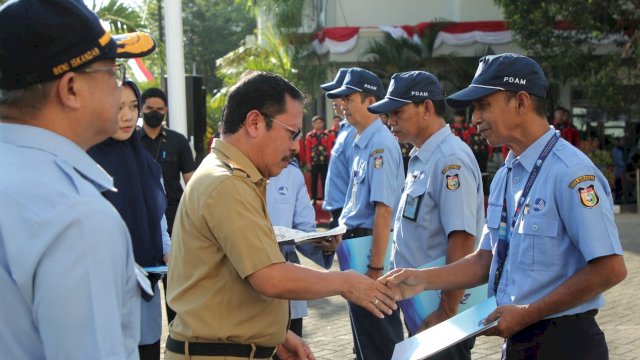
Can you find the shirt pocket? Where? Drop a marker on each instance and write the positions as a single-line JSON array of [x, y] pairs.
[[536, 243]]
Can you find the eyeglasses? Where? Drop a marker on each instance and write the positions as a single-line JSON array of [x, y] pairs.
[[119, 72], [295, 134]]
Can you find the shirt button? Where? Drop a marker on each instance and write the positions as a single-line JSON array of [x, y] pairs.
[[534, 227], [516, 179]]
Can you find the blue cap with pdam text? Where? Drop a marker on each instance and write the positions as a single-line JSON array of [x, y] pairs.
[[408, 87], [337, 82], [508, 72], [359, 80], [41, 40]]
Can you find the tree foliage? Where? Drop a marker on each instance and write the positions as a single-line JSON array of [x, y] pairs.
[[563, 37]]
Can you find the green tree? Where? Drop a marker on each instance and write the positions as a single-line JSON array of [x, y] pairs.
[[571, 55]]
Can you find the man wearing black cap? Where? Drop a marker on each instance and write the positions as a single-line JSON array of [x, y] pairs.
[[441, 211], [67, 274], [375, 184], [550, 246], [337, 181]]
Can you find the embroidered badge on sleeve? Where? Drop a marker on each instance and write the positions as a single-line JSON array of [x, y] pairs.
[[453, 182], [588, 196]]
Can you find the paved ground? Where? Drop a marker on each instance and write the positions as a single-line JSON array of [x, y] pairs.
[[328, 332]]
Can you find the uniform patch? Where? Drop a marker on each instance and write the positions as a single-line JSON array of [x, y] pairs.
[[538, 205], [450, 167], [588, 196], [580, 179], [453, 182], [375, 152], [377, 162], [282, 190]]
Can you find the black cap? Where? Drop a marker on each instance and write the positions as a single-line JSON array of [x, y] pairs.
[[41, 40], [406, 88], [337, 82], [359, 80], [509, 72]]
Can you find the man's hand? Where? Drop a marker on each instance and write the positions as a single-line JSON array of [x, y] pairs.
[[511, 319], [328, 244], [166, 258], [434, 318], [294, 348], [371, 295], [404, 283]]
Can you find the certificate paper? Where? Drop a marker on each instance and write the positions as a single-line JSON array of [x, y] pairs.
[[446, 334], [355, 253]]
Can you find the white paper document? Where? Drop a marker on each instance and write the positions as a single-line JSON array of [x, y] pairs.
[[446, 334], [299, 236]]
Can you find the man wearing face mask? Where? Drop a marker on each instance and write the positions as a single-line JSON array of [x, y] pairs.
[[170, 149]]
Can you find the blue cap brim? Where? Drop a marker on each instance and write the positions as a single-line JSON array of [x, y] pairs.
[[338, 93], [330, 86], [465, 97], [386, 105]]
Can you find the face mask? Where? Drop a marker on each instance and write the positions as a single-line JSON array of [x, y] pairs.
[[153, 118]]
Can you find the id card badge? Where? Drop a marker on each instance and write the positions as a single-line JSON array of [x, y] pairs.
[[411, 206]]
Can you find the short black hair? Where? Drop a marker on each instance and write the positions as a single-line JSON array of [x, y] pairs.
[[257, 90], [440, 106], [154, 93]]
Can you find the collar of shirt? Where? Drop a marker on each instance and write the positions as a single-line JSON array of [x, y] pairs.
[[144, 133], [363, 139], [429, 146], [58, 146], [530, 155], [237, 156]]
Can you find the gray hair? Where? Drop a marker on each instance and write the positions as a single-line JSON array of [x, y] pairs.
[[31, 98]]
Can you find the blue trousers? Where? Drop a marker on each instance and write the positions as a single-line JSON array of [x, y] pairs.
[[564, 337], [374, 338]]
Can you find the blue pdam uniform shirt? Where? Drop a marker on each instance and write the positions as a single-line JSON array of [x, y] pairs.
[[566, 221], [67, 276], [376, 176], [335, 189], [289, 205], [442, 193]]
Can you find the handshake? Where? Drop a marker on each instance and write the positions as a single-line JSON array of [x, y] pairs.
[[380, 296]]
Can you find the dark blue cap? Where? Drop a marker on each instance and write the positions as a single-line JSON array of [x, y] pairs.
[[406, 88], [337, 82], [359, 80], [41, 40], [509, 72]]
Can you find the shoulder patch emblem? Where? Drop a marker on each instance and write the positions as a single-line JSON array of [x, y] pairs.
[[588, 196], [580, 179], [453, 182], [378, 162], [375, 152], [450, 167]]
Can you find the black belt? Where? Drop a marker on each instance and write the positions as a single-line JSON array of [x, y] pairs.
[[220, 349], [589, 314], [357, 232]]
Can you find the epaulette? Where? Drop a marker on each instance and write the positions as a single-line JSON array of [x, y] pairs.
[[235, 168]]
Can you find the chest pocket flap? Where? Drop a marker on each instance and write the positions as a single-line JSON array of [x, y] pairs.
[[538, 226]]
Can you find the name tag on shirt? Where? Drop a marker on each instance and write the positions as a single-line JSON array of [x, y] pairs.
[[411, 206]]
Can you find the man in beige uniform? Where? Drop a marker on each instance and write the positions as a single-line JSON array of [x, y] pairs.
[[227, 278]]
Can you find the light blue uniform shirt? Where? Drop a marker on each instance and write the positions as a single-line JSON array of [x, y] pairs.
[[67, 276], [335, 189], [289, 205], [376, 176], [442, 193], [567, 220]]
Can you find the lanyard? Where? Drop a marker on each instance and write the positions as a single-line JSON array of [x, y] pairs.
[[504, 233]]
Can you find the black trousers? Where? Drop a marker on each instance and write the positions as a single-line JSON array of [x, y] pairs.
[[149, 352], [335, 216], [374, 338], [318, 171], [565, 337]]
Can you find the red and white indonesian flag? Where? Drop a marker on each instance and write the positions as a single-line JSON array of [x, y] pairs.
[[140, 72]]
